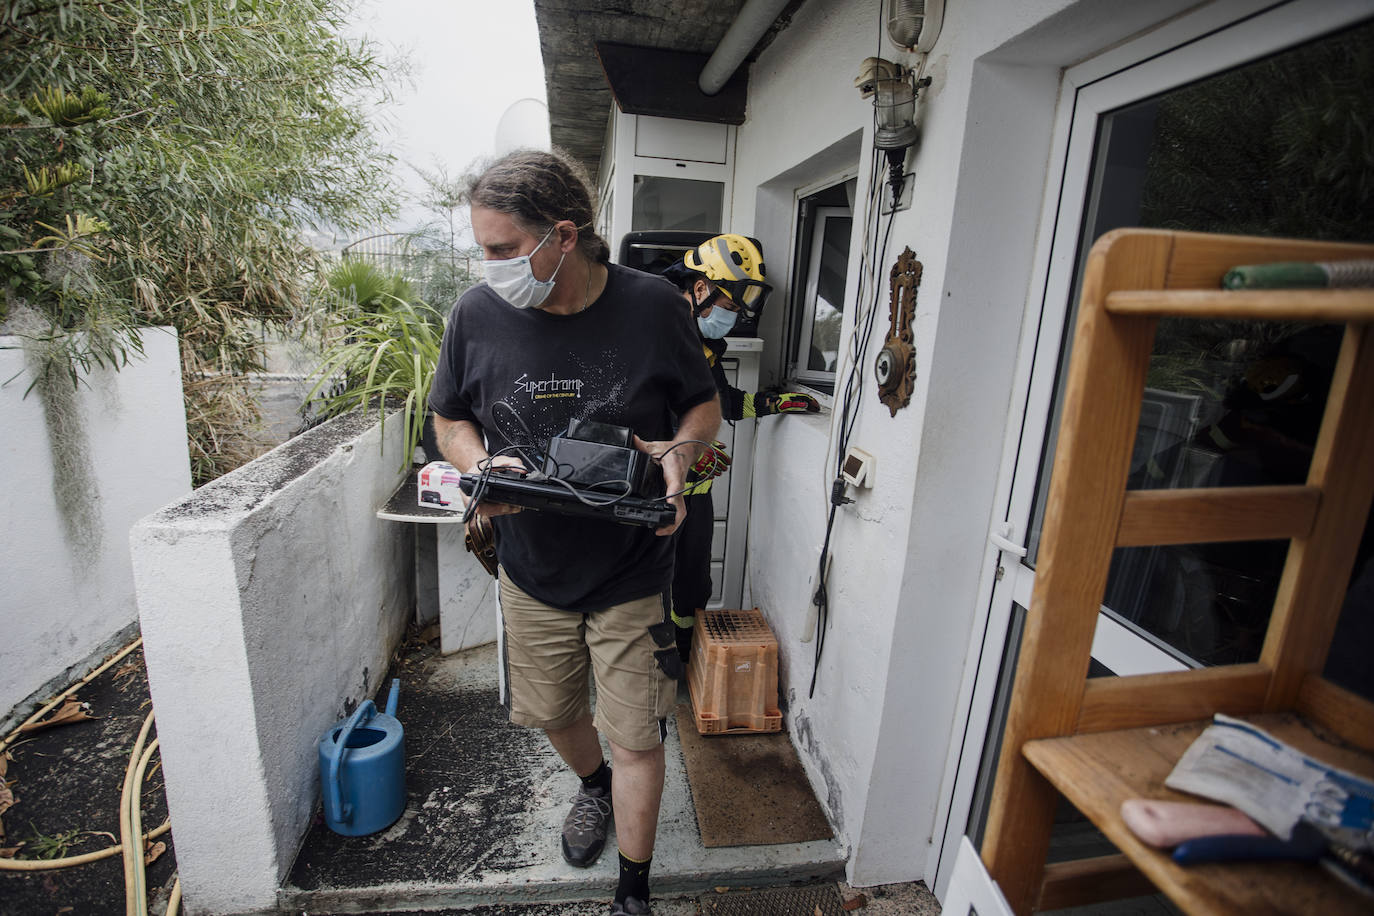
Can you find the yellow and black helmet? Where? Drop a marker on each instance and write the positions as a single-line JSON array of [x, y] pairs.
[[735, 265]]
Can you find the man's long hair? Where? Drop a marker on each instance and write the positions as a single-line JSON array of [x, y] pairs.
[[537, 189]]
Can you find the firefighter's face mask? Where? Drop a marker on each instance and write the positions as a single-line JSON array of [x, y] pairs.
[[718, 322]]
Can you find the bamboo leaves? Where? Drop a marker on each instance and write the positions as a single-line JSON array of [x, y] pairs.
[[206, 139]]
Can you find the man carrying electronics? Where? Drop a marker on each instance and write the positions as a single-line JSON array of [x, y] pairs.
[[721, 279], [556, 334]]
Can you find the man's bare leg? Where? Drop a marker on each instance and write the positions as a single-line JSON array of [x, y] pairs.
[[636, 792], [578, 745]]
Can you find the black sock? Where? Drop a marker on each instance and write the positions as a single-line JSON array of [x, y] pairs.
[[634, 880], [599, 779]]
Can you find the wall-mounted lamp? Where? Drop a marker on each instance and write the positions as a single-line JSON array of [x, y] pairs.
[[915, 24], [893, 89]]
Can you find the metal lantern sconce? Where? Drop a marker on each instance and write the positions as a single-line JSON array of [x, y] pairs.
[[893, 89], [894, 100]]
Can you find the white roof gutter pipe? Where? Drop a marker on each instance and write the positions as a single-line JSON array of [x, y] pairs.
[[753, 21]]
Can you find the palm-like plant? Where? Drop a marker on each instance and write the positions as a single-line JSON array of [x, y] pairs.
[[386, 347], [360, 283]]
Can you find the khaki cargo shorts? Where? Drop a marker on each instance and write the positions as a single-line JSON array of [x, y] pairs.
[[547, 654]]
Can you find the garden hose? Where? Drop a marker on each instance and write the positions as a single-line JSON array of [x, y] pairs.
[[9, 739], [132, 838], [140, 891], [133, 850], [69, 861], [107, 852], [130, 826]]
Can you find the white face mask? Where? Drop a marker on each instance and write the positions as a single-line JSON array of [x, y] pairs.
[[513, 279]]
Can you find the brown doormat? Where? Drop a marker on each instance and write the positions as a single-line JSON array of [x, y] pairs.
[[748, 790]]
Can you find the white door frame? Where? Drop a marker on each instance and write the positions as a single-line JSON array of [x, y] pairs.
[[1192, 46]]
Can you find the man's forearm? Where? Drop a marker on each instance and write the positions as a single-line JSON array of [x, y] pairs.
[[460, 442], [702, 422]]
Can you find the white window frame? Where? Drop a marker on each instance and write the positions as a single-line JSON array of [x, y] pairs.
[[807, 306], [787, 362]]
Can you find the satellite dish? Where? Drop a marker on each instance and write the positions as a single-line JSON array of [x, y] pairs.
[[524, 125]]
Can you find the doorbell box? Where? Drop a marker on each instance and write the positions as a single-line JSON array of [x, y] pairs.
[[438, 486], [858, 467]]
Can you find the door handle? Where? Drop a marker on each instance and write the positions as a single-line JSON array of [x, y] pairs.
[[1001, 539]]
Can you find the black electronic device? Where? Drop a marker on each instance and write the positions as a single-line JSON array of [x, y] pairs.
[[602, 457], [513, 489], [593, 471]]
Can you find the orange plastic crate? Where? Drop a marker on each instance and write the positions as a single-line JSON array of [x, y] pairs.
[[733, 675]]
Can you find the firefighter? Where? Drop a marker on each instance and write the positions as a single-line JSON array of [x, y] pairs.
[[721, 279]]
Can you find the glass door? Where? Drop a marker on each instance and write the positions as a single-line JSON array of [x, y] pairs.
[[1268, 147], [1253, 129]]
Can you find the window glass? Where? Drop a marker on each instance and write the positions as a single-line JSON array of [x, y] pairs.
[[676, 203], [1277, 147], [825, 221], [827, 305]]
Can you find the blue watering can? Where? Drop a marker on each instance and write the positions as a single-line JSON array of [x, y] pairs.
[[362, 769]]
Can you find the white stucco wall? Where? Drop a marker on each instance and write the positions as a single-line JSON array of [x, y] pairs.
[[911, 558], [66, 598], [467, 594], [271, 600]]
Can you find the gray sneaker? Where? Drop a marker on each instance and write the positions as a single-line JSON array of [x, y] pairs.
[[632, 906], [584, 829]]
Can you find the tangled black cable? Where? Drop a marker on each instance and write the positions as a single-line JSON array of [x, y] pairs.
[[852, 394], [540, 471], [848, 416]]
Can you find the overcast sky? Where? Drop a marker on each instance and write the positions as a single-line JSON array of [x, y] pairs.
[[469, 62]]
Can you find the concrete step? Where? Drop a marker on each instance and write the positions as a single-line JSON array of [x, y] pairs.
[[911, 899]]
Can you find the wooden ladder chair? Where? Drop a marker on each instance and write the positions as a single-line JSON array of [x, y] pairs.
[[1098, 741]]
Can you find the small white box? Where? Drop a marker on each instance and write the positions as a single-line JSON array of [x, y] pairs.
[[438, 487], [858, 468]]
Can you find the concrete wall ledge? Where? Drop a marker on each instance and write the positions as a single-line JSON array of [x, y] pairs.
[[270, 601]]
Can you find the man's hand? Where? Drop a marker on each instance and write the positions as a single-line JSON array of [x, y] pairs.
[[676, 460], [460, 442], [767, 403], [489, 509], [699, 424], [714, 461]]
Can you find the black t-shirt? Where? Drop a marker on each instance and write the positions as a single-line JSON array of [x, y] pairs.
[[632, 358]]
